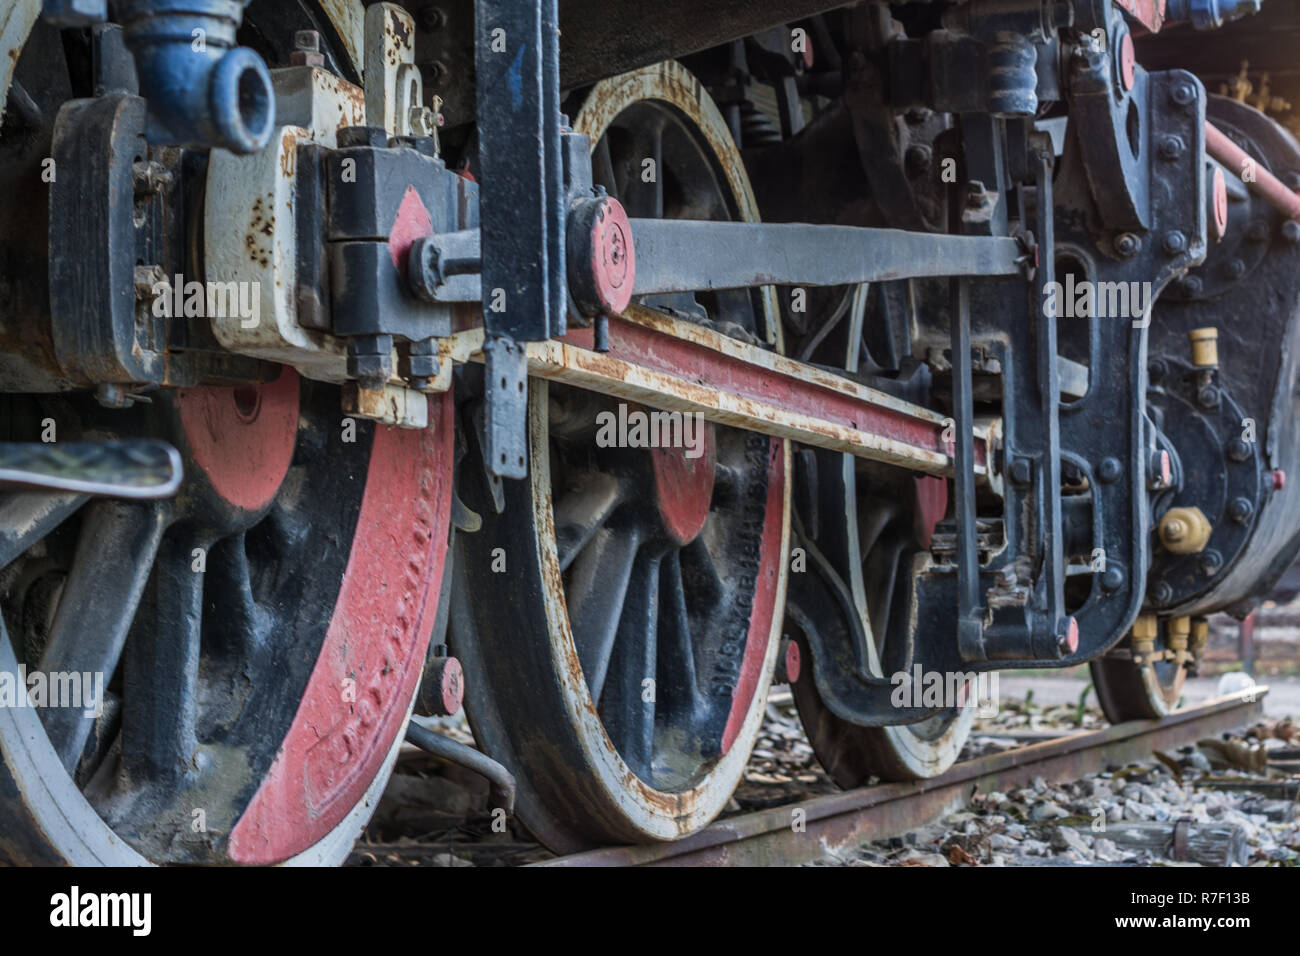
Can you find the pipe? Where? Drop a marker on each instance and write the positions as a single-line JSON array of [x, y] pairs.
[[503, 782], [1265, 184], [203, 91]]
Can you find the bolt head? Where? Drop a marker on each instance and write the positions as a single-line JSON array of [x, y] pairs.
[[1021, 471], [1109, 470], [1162, 593], [1183, 94], [1128, 245], [1234, 269], [1211, 562], [1191, 285], [1174, 242], [1171, 146], [1238, 450], [1112, 579], [1208, 397], [1240, 510]]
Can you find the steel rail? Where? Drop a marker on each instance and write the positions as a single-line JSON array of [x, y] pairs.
[[849, 819], [681, 366]]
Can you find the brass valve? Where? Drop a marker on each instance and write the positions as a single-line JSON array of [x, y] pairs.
[[1180, 629], [1144, 638], [1184, 530]]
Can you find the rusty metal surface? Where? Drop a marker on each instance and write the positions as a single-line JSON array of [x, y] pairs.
[[681, 366], [843, 820]]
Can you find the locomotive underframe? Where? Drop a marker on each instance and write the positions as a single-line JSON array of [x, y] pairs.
[[1112, 197]]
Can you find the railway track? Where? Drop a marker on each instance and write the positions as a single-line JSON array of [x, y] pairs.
[[844, 820]]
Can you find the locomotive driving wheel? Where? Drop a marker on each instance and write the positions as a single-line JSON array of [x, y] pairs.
[[874, 553], [258, 638], [1131, 690], [618, 661], [239, 660]]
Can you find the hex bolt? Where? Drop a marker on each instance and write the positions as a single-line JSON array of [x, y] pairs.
[[370, 359], [1183, 94], [1112, 579], [1109, 470], [1234, 269], [306, 49], [373, 136], [1022, 471], [1240, 510], [1171, 146], [1238, 450], [1191, 285], [918, 159], [1257, 231], [1128, 245], [1162, 593], [1291, 231], [1208, 396], [432, 18], [150, 177], [146, 279], [1210, 562], [1174, 242]]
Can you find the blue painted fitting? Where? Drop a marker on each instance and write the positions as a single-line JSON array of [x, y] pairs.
[[1209, 14], [1013, 78], [202, 90], [75, 13]]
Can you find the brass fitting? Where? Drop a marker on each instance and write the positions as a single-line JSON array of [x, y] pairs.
[[1200, 635], [1144, 638], [1184, 530], [1205, 347], [1180, 629]]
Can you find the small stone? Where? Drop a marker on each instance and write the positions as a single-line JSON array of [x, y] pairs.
[[1000, 841], [1106, 851], [1137, 811], [919, 858], [1035, 848], [1039, 785], [1068, 838], [1046, 810]]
